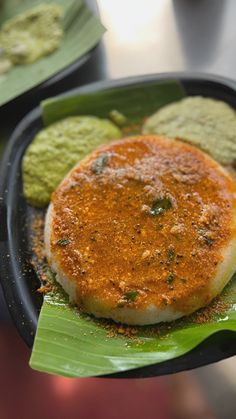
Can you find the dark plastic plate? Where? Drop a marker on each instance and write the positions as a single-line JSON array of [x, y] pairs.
[[19, 280]]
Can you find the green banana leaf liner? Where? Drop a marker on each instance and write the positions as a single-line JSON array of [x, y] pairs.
[[72, 344]]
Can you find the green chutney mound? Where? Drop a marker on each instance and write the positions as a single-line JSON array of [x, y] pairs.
[[56, 149], [207, 123], [32, 35]]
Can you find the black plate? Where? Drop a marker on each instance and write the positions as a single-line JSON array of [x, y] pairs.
[[19, 280]]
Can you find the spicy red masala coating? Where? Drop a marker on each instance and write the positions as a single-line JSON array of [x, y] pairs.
[[143, 221]]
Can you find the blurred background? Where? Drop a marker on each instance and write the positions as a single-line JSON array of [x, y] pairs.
[[143, 37]]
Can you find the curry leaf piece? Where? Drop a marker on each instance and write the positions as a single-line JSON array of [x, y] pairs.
[[160, 205], [130, 295]]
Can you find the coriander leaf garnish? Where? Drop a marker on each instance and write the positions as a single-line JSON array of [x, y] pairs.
[[130, 295], [99, 164], [63, 242], [170, 278], [170, 254], [160, 205]]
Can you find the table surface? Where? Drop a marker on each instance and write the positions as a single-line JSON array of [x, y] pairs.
[[150, 36]]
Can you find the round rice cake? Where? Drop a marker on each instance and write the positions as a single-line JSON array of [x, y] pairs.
[[143, 230]]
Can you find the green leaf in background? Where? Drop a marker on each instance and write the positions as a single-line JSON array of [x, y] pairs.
[[74, 345], [83, 33]]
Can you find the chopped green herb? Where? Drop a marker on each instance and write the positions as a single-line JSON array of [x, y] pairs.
[[118, 118], [99, 164], [209, 242], [160, 205], [170, 254], [130, 295], [63, 242], [170, 278]]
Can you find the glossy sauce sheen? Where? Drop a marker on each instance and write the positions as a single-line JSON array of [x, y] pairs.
[[111, 238]]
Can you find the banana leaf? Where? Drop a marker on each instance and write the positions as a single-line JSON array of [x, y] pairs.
[[72, 344], [127, 100], [82, 32]]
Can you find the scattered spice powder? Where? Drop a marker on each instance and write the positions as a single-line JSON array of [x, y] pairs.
[[38, 260], [44, 289], [209, 313], [37, 229], [114, 329]]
